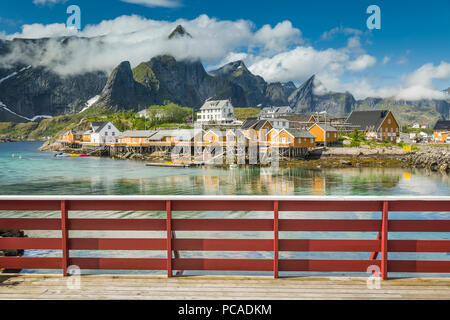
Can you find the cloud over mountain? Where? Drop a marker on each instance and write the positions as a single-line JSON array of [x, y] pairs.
[[277, 53]]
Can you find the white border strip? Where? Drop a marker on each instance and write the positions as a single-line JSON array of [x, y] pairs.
[[226, 198]]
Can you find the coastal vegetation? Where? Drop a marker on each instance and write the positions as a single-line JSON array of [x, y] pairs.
[[245, 113]]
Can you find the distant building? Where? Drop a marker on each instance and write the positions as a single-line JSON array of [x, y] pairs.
[[280, 123], [102, 133], [275, 112], [377, 125], [417, 125], [144, 114], [217, 111], [441, 131]]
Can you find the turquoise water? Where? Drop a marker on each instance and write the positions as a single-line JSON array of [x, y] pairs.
[[26, 171], [31, 172]]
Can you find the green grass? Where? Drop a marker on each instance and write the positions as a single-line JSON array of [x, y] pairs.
[[244, 113]]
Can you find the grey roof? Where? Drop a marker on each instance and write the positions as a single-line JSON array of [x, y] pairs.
[[139, 133], [249, 123], [98, 126], [367, 119], [253, 123], [300, 133], [442, 125], [218, 133], [181, 134], [216, 104], [260, 124], [326, 127], [279, 110]]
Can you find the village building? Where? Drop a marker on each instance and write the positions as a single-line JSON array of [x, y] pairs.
[[417, 125], [295, 142], [275, 112], [280, 123], [136, 138], [324, 133], [71, 138], [378, 125], [256, 129], [101, 133], [216, 111], [442, 131]]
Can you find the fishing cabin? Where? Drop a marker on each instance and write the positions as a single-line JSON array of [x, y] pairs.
[[324, 133]]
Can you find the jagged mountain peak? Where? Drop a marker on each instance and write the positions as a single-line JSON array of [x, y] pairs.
[[179, 32], [447, 90], [235, 68]]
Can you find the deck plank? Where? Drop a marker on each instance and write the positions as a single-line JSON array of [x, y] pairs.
[[217, 288]]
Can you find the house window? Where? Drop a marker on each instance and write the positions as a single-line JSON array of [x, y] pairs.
[[109, 127], [106, 133], [389, 121], [387, 129], [113, 134], [312, 140]]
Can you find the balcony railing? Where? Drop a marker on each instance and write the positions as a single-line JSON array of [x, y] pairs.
[[275, 205]]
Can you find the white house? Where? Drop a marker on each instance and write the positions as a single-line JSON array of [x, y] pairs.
[[219, 111], [104, 132]]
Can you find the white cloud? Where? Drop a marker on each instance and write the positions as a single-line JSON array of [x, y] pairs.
[[415, 86], [275, 40], [386, 60], [276, 53], [425, 75], [44, 2], [155, 3], [362, 62], [300, 63], [340, 30]]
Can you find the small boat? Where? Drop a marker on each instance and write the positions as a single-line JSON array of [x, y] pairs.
[[61, 155], [84, 155], [74, 155]]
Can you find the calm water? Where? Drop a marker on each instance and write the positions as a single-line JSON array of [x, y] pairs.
[[26, 171], [31, 172]]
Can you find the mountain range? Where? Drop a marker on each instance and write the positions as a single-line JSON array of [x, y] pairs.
[[29, 92]]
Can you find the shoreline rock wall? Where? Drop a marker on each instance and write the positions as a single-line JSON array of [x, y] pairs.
[[433, 160]]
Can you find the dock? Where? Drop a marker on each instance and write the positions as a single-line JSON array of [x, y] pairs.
[[46, 287]]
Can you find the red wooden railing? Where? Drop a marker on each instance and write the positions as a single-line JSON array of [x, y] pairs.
[[276, 205]]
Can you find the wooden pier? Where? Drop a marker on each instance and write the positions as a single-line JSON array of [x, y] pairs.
[[218, 288]]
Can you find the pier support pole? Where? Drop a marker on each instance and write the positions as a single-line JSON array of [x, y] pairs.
[[275, 240], [65, 237], [384, 241], [169, 238]]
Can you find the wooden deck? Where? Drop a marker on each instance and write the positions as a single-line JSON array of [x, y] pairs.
[[218, 288]]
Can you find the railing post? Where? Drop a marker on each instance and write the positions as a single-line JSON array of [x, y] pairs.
[[65, 237], [384, 241], [169, 238], [275, 239]]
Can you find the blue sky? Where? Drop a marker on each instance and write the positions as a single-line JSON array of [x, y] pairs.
[[414, 40]]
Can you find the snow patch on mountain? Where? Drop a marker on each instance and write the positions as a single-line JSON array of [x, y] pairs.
[[14, 74], [90, 103], [2, 105]]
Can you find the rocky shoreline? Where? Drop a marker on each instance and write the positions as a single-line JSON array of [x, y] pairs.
[[436, 159]]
